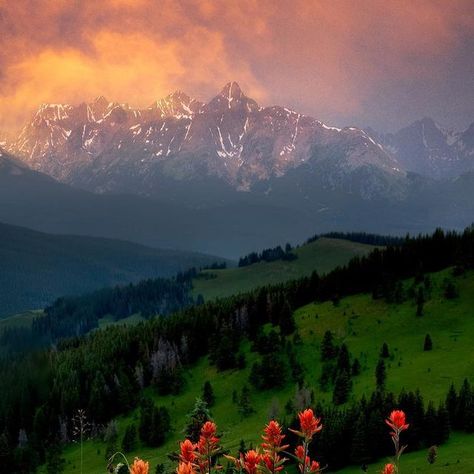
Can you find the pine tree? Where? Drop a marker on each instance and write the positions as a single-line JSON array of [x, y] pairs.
[[430, 426], [359, 451], [195, 419], [343, 360], [154, 423], [208, 394], [384, 352], [342, 388], [463, 405], [380, 375], [245, 405], [145, 425], [286, 319], [444, 428], [428, 344], [356, 368], [129, 440], [451, 405], [328, 350]]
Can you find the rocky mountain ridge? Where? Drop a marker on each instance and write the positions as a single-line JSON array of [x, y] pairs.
[[109, 147]]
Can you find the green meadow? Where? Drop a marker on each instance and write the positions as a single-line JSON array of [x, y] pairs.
[[364, 324], [322, 255]]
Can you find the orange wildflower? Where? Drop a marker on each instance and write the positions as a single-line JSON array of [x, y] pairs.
[[139, 467], [187, 451], [388, 469], [309, 423], [251, 461], [185, 468]]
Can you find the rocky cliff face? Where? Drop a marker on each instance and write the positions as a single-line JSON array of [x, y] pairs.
[[109, 147]]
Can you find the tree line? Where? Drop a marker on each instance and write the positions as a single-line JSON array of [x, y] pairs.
[[268, 255], [361, 238]]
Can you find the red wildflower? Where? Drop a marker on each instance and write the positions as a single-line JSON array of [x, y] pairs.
[[208, 430], [396, 421], [309, 423], [272, 435], [251, 461], [388, 469], [273, 463], [187, 451], [185, 468], [299, 452], [314, 467], [208, 442], [139, 467]]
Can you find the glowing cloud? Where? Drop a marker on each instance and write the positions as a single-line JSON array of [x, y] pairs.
[[341, 60]]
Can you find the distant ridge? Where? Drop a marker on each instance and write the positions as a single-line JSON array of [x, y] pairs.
[[36, 268]]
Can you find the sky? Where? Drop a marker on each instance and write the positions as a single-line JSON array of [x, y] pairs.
[[365, 63]]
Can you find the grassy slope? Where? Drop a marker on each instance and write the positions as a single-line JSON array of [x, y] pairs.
[[364, 325], [322, 255], [454, 457], [20, 320]]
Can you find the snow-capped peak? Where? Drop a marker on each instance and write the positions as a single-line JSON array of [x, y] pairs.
[[232, 91]]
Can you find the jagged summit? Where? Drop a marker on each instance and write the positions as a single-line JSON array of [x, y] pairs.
[[101, 100], [177, 104], [232, 90], [232, 98]]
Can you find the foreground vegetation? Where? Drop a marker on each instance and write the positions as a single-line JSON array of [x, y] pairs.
[[266, 352], [363, 324]]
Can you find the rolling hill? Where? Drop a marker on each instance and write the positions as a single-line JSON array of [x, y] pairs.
[[37, 268], [322, 255]]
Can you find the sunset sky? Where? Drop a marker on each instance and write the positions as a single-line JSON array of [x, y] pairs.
[[368, 62]]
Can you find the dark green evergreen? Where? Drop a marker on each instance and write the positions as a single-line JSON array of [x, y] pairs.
[[208, 394], [380, 375], [428, 344]]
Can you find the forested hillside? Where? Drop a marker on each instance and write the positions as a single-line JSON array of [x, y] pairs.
[[255, 342], [37, 268]]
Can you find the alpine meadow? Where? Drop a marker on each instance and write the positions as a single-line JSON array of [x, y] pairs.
[[236, 237]]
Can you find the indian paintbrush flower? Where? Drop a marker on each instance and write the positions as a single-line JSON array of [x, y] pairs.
[[397, 421], [185, 468], [139, 467], [389, 469], [187, 451]]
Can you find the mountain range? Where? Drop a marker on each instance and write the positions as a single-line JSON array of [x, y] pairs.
[[228, 176], [110, 147], [427, 148]]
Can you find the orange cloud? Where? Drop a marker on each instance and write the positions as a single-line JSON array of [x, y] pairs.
[[332, 59]]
